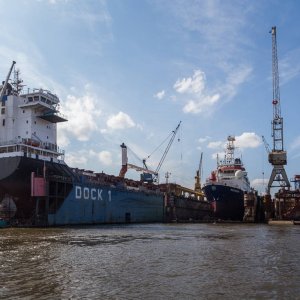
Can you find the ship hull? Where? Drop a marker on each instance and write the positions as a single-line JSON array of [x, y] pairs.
[[227, 202], [99, 204], [71, 199], [179, 209]]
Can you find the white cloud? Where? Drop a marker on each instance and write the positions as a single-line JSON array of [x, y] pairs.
[[193, 85], [62, 139], [201, 104], [203, 140], [260, 184], [215, 145], [217, 155], [120, 121], [105, 157], [218, 24], [82, 114], [76, 159], [86, 158], [236, 77], [245, 140], [160, 95], [248, 140], [203, 100], [259, 181]]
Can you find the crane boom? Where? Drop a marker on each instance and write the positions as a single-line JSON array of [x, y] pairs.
[[146, 173], [266, 144], [277, 128], [6, 81], [167, 149], [198, 175]]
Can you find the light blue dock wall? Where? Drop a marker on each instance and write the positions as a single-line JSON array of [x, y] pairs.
[[88, 204]]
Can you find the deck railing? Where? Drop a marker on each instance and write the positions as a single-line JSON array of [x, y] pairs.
[[26, 146]]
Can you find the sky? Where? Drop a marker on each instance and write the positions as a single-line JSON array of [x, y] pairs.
[[130, 70]]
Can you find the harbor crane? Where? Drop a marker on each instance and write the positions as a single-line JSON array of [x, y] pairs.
[[277, 156], [198, 175], [267, 146], [147, 174]]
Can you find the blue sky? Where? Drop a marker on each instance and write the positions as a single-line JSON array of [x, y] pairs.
[[129, 71]]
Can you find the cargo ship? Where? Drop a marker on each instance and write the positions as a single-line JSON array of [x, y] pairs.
[[38, 188], [227, 185]]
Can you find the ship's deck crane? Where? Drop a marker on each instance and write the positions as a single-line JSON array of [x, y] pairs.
[[5, 83], [147, 174], [277, 157], [167, 148]]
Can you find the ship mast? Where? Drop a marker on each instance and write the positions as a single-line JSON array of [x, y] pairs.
[[17, 82], [229, 156]]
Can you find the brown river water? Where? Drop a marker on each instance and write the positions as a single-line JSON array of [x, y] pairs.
[[151, 261]]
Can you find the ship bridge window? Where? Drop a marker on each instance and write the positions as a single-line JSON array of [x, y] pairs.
[[36, 98], [30, 99], [229, 171], [43, 99], [2, 111]]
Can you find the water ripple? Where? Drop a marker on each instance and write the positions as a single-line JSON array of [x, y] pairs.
[[178, 261]]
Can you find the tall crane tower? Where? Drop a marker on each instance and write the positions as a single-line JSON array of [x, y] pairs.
[[277, 157]]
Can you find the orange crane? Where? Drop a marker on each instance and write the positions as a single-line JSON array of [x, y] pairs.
[[198, 176], [147, 174]]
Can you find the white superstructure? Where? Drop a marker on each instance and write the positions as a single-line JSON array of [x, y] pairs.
[[28, 121], [230, 171]]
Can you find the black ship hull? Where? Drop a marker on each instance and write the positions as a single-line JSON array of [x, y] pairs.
[[15, 182], [227, 202]]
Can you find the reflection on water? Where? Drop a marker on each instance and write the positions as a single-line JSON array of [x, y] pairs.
[[178, 261]]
